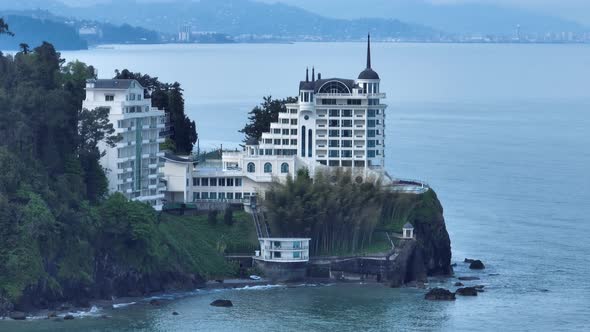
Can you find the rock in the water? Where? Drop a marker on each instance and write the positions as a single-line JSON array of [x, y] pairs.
[[222, 303], [467, 291], [440, 294], [155, 302], [468, 260], [458, 284], [174, 313], [477, 265], [468, 278], [68, 317], [17, 315]]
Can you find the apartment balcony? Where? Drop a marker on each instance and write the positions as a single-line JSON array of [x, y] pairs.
[[160, 140], [124, 144], [153, 176]]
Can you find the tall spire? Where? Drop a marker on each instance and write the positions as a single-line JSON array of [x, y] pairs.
[[307, 74], [313, 74], [369, 51]]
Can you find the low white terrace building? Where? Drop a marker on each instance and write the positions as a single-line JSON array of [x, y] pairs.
[[132, 166], [285, 250]]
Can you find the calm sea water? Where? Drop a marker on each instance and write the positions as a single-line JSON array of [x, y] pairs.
[[502, 132]]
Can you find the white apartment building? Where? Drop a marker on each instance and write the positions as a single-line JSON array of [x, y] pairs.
[[335, 122], [133, 165]]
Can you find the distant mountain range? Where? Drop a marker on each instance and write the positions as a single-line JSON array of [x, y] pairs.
[[235, 17]]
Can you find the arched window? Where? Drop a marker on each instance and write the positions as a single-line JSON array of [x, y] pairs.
[[284, 168], [334, 87], [251, 168], [268, 168]]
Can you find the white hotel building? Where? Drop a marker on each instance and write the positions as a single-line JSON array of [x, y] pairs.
[[133, 165], [335, 123]]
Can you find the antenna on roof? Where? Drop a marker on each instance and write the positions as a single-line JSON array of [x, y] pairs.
[[307, 74], [313, 74]]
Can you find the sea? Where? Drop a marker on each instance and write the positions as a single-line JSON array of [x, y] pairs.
[[500, 131]]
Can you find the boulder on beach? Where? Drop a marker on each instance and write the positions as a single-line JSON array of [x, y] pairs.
[[477, 265], [468, 278], [467, 291], [458, 284], [222, 303], [17, 315], [440, 294], [68, 317]]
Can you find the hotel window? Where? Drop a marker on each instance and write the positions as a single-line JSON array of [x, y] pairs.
[[222, 182], [277, 142], [213, 182], [371, 143], [293, 142], [238, 195], [196, 196], [276, 130], [334, 112], [323, 162], [109, 98], [373, 101], [238, 182], [251, 169], [334, 153], [346, 163], [205, 195], [268, 152], [268, 168], [346, 144], [371, 133], [196, 182], [296, 254], [212, 195], [334, 143], [204, 182], [371, 113], [277, 254], [293, 131], [285, 142], [230, 182], [347, 123], [346, 153], [293, 121], [371, 153], [347, 133], [347, 113], [268, 141], [334, 133], [285, 131], [230, 195], [283, 121], [334, 163], [353, 101], [221, 195], [328, 101], [371, 123], [334, 123], [284, 168], [293, 111]]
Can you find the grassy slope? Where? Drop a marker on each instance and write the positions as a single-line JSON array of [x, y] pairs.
[[202, 244]]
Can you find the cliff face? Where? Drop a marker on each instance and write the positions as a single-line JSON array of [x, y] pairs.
[[430, 253], [433, 242]]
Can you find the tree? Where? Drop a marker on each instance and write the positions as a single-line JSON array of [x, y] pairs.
[[228, 216], [260, 117], [93, 127], [4, 29], [24, 48]]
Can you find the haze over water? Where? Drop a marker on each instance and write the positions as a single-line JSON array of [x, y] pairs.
[[501, 132]]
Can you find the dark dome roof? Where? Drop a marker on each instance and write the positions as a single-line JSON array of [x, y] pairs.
[[368, 74]]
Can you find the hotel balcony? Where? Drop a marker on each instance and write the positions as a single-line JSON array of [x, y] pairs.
[[351, 95]]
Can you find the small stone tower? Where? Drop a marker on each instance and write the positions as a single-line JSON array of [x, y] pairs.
[[408, 231]]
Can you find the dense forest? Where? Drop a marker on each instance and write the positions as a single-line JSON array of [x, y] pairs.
[[61, 235], [342, 213]]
